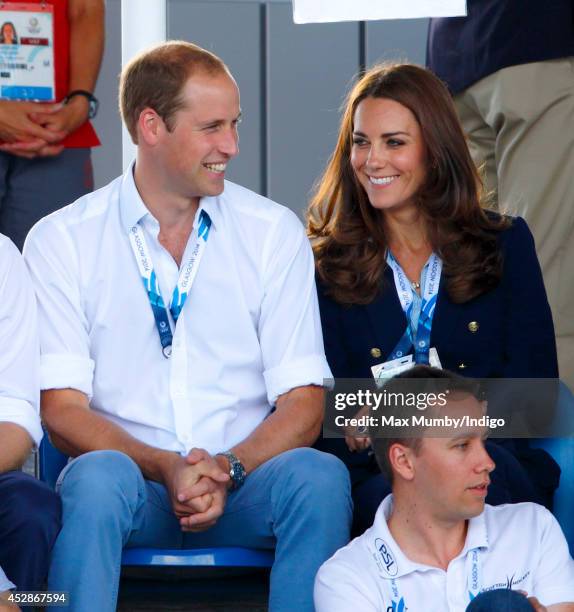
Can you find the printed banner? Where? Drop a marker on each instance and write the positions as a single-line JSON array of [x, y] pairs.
[[321, 11]]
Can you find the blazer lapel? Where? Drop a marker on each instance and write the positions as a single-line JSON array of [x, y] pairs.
[[386, 317], [445, 317]]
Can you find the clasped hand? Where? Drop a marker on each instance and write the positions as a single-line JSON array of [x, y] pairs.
[[197, 486], [30, 129]]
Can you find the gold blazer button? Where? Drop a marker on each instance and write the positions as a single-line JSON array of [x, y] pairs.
[[461, 365], [376, 352], [473, 327]]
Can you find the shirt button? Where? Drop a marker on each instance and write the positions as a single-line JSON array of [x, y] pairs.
[[376, 352], [473, 327]]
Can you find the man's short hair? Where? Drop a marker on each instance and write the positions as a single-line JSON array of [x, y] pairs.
[[437, 381], [156, 77]]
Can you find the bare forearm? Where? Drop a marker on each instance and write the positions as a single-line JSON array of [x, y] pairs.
[[86, 42], [296, 422], [76, 430], [15, 446]]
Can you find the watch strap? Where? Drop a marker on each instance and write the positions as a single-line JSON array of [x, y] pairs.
[[94, 103], [237, 471]]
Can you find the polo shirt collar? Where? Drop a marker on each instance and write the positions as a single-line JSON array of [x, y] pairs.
[[133, 209], [476, 537], [392, 553]]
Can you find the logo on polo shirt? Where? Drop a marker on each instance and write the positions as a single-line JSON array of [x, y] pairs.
[[389, 563], [511, 582], [397, 606]]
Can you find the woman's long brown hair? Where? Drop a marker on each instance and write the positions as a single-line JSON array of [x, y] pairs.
[[348, 234]]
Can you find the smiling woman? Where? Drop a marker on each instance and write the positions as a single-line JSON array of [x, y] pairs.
[[411, 264]]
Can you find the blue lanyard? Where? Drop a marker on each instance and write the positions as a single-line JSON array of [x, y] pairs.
[[184, 282], [429, 297]]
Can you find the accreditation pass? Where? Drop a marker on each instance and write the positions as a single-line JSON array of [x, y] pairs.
[[27, 52]]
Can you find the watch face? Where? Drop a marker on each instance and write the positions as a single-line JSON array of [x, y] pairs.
[[93, 108]]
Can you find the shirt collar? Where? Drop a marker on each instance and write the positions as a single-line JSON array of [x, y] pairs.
[[476, 536], [133, 209], [391, 559]]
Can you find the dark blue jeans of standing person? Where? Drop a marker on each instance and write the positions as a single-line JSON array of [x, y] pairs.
[[33, 188], [29, 523], [501, 600]]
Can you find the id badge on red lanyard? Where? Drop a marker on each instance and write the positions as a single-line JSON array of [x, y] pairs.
[[27, 52]]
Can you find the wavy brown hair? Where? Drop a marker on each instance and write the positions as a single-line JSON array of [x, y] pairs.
[[348, 234]]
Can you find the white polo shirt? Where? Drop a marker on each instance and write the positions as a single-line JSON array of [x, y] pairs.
[[249, 330], [19, 350], [518, 546]]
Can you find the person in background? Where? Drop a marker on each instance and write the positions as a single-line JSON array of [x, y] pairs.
[[435, 545], [409, 263], [29, 510], [509, 65], [45, 148]]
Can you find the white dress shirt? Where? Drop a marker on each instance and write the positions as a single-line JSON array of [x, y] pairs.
[[19, 352], [5, 584], [249, 330], [519, 546]]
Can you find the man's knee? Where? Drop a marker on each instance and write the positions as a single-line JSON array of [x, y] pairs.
[[319, 474], [101, 482]]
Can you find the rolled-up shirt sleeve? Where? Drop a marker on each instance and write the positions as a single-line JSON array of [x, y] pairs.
[[19, 357], [5, 584], [289, 325], [64, 340]]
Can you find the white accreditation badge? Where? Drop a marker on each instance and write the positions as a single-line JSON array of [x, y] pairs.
[[383, 371], [27, 52]]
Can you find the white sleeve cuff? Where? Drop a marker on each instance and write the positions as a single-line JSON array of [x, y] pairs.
[[22, 413], [5, 584], [64, 371], [311, 370]]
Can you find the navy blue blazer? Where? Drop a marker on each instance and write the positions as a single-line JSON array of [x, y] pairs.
[[504, 333], [514, 338]]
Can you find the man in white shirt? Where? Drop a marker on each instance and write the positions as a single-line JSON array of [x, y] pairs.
[[29, 511], [435, 545], [168, 402]]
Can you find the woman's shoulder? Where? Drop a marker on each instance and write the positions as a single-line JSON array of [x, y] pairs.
[[516, 234], [510, 229]]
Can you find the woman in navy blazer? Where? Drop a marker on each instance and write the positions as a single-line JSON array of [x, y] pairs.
[[400, 189]]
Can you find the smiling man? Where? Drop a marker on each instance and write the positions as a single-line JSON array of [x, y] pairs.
[[164, 389], [435, 545]]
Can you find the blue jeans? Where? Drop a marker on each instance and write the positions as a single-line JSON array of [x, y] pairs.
[[501, 600], [298, 503]]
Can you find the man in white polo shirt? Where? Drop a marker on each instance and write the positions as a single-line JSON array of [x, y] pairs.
[[187, 397], [29, 510], [435, 546]]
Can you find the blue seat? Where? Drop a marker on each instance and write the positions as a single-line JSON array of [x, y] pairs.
[[52, 461], [562, 450]]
